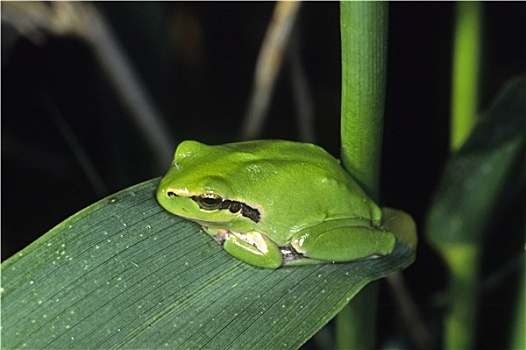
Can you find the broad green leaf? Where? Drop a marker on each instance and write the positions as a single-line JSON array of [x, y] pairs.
[[476, 175], [124, 273], [490, 162]]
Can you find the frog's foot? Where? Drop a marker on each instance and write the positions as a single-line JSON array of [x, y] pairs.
[[254, 239], [292, 257], [251, 247]]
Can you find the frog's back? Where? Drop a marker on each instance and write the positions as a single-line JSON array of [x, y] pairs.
[[288, 174], [278, 150], [280, 166]]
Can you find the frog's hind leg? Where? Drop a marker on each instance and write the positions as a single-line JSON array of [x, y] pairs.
[[254, 248], [342, 240]]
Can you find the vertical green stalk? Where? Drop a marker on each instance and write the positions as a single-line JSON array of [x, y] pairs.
[[465, 72], [363, 28], [364, 65], [518, 336], [463, 260]]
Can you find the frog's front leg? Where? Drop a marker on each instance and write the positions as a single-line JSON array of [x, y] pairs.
[[253, 248], [343, 240]]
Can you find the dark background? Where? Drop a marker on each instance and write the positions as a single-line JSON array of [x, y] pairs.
[[197, 60]]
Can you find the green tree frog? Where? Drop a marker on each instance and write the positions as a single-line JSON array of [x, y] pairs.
[[272, 203]]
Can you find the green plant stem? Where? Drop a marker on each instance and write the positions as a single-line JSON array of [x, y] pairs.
[[518, 336], [364, 65], [465, 72], [364, 61], [356, 323], [463, 261]]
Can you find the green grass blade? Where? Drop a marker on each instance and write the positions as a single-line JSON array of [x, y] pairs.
[[124, 273]]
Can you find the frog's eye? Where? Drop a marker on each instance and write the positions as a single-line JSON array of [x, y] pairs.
[[208, 201]]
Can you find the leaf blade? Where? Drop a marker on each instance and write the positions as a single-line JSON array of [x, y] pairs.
[[125, 273]]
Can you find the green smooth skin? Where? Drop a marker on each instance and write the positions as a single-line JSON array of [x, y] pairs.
[[273, 203]]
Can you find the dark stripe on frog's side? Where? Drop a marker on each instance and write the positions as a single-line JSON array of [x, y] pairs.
[[246, 210], [235, 207]]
